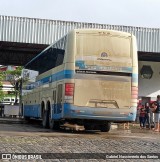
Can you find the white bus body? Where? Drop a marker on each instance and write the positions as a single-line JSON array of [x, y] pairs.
[[89, 77]]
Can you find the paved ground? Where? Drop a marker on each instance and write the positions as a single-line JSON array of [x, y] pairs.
[[27, 138]]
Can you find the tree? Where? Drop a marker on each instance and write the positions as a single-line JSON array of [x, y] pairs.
[[1, 85], [14, 77]]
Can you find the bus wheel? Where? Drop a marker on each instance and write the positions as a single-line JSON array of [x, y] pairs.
[[88, 127], [26, 118], [45, 121], [51, 123], [56, 125], [105, 127]]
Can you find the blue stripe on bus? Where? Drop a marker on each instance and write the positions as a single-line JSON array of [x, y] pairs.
[[65, 74], [32, 110], [56, 116], [71, 111], [35, 111], [127, 69], [135, 78]]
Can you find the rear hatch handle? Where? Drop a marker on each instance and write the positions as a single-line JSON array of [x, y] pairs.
[[98, 102]]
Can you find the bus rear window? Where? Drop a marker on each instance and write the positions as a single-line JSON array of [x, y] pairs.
[[95, 44], [99, 52]]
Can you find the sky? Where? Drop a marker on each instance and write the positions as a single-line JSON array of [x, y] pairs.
[[140, 13]]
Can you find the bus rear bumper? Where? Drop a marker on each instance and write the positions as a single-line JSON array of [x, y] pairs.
[[109, 114]]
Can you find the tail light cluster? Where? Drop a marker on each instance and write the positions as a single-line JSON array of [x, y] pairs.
[[69, 92]]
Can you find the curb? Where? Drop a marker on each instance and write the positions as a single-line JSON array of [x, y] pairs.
[[12, 121]]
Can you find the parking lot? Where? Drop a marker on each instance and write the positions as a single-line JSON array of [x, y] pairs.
[[32, 138]]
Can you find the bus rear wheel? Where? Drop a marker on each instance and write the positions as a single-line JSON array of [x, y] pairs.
[[54, 124], [51, 123], [26, 118], [105, 127], [88, 127], [45, 120]]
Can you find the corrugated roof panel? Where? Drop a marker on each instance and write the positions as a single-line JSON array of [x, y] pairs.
[[41, 31]]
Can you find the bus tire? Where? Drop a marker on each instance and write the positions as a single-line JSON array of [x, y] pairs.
[[22, 109], [51, 123], [26, 118], [105, 127], [56, 125], [88, 127], [45, 120]]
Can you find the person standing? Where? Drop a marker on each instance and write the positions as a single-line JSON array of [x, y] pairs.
[[142, 118], [147, 114], [157, 114], [152, 122]]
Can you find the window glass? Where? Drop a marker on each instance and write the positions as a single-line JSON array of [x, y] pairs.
[[50, 58]]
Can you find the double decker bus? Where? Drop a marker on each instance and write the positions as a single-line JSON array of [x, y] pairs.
[[89, 77]]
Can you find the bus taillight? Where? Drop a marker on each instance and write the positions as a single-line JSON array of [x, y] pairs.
[[69, 89], [69, 92]]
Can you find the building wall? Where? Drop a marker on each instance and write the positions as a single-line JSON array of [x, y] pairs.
[[149, 87]]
